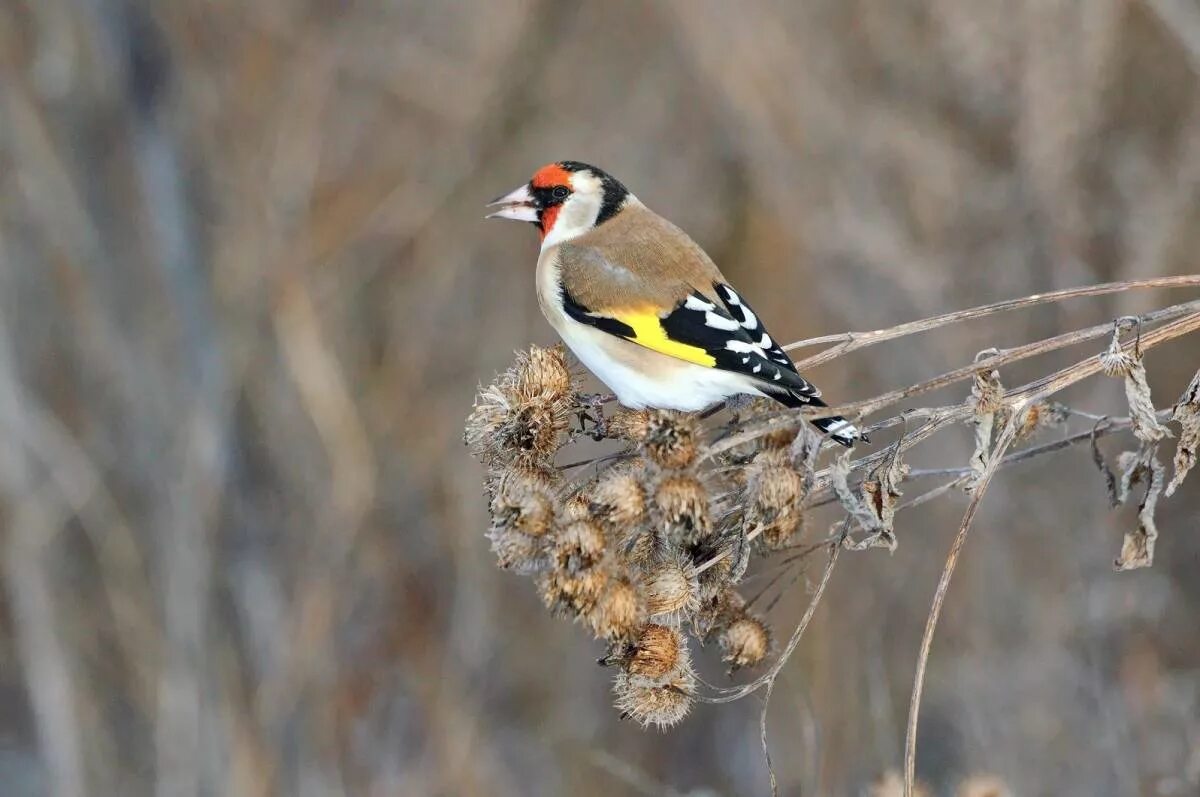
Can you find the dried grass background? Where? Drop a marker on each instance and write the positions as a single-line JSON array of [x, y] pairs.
[[247, 296]]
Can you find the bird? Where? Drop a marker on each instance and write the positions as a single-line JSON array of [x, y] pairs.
[[642, 306]]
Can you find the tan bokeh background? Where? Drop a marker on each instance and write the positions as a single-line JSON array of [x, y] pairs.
[[247, 294]]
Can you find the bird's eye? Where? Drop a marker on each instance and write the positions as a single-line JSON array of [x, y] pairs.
[[560, 192]]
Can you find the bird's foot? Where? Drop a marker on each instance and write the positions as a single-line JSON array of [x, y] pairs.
[[592, 411]]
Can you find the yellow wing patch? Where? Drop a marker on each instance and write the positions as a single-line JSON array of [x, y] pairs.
[[648, 331]]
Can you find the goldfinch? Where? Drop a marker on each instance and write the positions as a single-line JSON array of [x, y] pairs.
[[642, 306]]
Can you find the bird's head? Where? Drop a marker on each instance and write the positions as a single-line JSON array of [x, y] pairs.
[[564, 200]]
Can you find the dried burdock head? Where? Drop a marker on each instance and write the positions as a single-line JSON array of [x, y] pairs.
[[520, 418], [658, 652], [983, 786], [524, 502], [670, 439], [745, 642], [641, 547], [662, 705], [619, 498], [579, 546], [682, 502], [576, 508], [1042, 415], [1115, 361], [717, 612], [617, 614], [671, 590], [775, 493], [572, 594], [1187, 415], [631, 425], [541, 374], [722, 560], [778, 440], [517, 551]]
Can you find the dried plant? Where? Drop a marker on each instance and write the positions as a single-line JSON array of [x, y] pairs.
[[648, 547]]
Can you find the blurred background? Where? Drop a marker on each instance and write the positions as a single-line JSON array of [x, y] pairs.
[[247, 294]]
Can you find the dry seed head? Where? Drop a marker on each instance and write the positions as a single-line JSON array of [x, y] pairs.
[[504, 430], [579, 546], [619, 497], [671, 590], [776, 497], [745, 642], [524, 502], [572, 594], [516, 551], [778, 440], [718, 611], [617, 613], [642, 548], [662, 706], [714, 581], [670, 439], [683, 504], [1115, 361], [1042, 415], [658, 651], [542, 374], [627, 424], [575, 508]]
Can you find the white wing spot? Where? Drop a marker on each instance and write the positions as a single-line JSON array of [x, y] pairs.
[[715, 321], [766, 341], [757, 368], [745, 360], [694, 302], [749, 320], [777, 375], [730, 295]]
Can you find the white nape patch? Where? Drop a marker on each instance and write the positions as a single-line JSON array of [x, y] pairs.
[[766, 341], [757, 368], [694, 302], [749, 320], [715, 321]]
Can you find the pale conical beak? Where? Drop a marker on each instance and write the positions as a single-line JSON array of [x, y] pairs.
[[518, 205]]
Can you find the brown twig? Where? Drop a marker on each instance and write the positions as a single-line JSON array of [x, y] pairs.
[[982, 481], [853, 341]]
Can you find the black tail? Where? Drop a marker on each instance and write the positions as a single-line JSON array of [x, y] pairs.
[[837, 427]]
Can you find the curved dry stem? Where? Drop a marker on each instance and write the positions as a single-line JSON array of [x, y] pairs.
[[939, 598]]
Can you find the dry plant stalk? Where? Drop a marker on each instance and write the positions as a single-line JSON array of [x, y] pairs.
[[647, 547]]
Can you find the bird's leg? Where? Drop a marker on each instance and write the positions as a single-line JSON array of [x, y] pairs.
[[591, 408]]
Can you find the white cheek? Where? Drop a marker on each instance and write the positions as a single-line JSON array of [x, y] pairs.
[[578, 215]]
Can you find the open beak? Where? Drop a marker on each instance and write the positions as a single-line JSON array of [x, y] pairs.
[[518, 205]]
